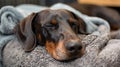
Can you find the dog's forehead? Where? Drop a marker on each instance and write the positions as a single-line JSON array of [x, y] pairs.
[[48, 15], [59, 12]]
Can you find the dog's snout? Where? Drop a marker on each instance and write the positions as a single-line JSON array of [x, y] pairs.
[[73, 47]]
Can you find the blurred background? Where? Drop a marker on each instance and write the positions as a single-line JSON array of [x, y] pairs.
[[37, 2], [108, 3]]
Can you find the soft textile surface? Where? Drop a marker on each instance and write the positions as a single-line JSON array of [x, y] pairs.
[[9, 17], [27, 9], [98, 54]]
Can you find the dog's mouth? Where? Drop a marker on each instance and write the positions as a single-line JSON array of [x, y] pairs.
[[61, 53], [62, 56]]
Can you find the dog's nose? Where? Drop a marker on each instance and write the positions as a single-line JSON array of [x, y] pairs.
[[73, 47]]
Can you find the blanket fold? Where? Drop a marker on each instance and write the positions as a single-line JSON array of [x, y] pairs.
[[9, 17]]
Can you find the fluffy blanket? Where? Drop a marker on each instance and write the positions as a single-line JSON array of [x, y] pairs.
[[99, 53], [9, 17]]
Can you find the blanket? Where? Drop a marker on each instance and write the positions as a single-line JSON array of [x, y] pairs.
[[9, 17], [100, 52]]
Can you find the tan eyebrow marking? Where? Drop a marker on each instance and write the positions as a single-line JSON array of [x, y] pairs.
[[54, 21]]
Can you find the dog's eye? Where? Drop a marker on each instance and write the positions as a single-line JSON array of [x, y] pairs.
[[52, 26], [74, 26]]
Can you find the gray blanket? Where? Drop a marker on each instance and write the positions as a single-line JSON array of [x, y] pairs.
[[97, 54], [100, 52], [9, 17]]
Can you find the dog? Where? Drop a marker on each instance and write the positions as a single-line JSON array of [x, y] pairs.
[[56, 29]]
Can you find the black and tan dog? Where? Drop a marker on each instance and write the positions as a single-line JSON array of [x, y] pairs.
[[58, 30]]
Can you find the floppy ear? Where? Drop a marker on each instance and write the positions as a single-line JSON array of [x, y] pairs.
[[79, 23], [25, 33]]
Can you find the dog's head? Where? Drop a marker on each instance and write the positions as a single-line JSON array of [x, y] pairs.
[[56, 29]]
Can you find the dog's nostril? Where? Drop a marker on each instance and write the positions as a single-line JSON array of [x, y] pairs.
[[79, 47], [73, 47]]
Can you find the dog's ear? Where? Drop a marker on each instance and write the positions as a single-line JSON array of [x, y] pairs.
[[78, 24], [25, 33]]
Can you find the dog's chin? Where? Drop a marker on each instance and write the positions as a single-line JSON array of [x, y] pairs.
[[62, 56]]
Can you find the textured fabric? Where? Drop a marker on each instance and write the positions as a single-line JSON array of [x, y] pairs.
[[95, 55], [9, 17], [27, 9]]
